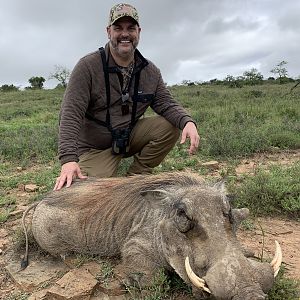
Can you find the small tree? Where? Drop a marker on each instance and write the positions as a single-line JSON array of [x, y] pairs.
[[281, 71], [186, 82], [253, 77], [36, 82], [232, 82], [61, 74], [229, 79]]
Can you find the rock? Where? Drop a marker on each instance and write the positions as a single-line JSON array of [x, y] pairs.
[[23, 195], [19, 210], [31, 188], [40, 295], [93, 267], [102, 296], [3, 243], [19, 169], [16, 212], [37, 273], [21, 187], [246, 168], [78, 284], [213, 164], [3, 233]]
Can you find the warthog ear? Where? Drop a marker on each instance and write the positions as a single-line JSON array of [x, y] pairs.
[[156, 196], [239, 215], [220, 185]]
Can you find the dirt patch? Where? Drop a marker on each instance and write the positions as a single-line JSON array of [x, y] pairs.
[[261, 240], [265, 160]]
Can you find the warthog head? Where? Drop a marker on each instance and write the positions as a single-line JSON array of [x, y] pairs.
[[199, 242]]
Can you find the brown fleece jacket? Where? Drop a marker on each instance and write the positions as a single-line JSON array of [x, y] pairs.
[[86, 93]]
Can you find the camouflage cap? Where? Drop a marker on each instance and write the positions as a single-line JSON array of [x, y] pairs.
[[122, 10]]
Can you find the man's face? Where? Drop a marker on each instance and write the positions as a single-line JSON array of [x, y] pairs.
[[124, 36]]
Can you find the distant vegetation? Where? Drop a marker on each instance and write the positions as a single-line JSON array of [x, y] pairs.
[[249, 77], [61, 74]]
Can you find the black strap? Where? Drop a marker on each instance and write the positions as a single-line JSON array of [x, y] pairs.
[[107, 86], [106, 71], [134, 99]]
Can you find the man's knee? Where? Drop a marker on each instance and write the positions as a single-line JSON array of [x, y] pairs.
[[99, 163], [166, 129]]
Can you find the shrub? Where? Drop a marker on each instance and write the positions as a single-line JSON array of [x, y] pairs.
[[8, 88]]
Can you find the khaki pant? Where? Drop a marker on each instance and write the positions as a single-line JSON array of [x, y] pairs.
[[151, 140]]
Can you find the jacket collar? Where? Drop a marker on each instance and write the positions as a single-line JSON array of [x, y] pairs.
[[140, 61]]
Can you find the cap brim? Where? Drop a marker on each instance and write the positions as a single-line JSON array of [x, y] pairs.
[[125, 16]]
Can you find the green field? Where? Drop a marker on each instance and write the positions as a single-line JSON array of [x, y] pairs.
[[234, 124]]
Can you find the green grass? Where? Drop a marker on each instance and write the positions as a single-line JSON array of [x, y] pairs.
[[275, 191], [231, 122], [158, 290], [29, 126], [284, 288], [235, 122], [18, 296], [43, 176], [107, 272]]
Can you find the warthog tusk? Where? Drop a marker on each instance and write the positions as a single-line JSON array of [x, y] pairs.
[[197, 281], [277, 260]]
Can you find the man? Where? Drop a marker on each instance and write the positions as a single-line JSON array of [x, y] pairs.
[[101, 118]]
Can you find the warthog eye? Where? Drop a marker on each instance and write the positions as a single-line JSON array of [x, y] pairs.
[[182, 221]]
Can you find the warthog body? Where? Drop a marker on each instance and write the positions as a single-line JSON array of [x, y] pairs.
[[154, 222]]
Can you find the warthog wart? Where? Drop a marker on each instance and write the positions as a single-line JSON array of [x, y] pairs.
[[175, 221]]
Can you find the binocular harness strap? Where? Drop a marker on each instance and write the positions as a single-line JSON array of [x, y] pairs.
[[107, 122]]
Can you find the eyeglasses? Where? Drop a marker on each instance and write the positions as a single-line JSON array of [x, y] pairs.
[[125, 106]]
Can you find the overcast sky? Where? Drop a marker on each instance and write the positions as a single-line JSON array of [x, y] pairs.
[[194, 40]]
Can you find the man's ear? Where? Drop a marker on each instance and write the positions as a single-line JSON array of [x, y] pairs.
[[108, 32]]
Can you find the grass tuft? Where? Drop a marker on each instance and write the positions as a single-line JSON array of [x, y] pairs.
[[275, 191]]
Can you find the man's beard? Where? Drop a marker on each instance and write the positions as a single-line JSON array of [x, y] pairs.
[[116, 48]]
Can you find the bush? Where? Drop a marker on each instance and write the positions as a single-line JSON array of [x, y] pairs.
[[8, 88]]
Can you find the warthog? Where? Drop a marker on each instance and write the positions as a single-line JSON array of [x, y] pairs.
[[173, 221]]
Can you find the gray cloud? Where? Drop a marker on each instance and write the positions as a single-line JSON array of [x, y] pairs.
[[194, 40]]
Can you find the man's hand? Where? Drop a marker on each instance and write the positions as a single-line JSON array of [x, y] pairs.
[[69, 171], [190, 131]]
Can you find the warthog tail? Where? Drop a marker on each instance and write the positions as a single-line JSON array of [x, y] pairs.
[[24, 261]]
